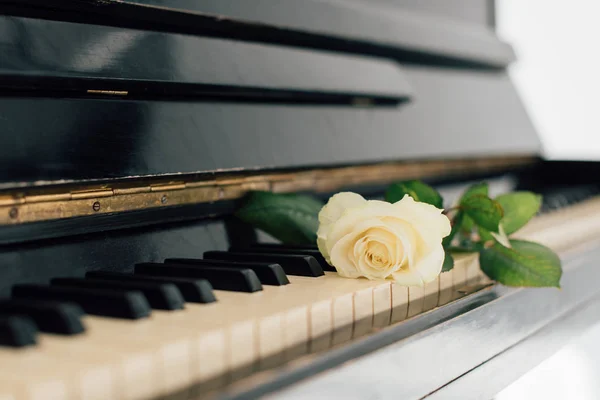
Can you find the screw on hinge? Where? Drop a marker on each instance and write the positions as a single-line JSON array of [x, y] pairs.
[[163, 199], [96, 206], [13, 213]]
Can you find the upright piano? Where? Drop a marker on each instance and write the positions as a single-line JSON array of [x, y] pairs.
[[130, 130]]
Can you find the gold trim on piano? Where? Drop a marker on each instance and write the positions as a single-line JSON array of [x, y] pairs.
[[71, 200]]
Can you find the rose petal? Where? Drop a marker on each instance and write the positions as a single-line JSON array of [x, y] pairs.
[[424, 270], [428, 220], [342, 252], [337, 204], [331, 212]]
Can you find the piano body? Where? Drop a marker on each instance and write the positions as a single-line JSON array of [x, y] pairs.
[[130, 131]]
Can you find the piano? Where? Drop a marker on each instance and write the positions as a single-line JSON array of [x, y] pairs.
[[130, 130]]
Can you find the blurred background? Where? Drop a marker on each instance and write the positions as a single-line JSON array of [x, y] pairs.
[[558, 77], [557, 72]]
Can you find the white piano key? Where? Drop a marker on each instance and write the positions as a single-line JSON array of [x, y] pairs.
[[445, 287], [363, 312], [343, 318], [296, 332], [271, 342], [399, 303], [416, 297], [382, 305], [321, 326], [431, 294]]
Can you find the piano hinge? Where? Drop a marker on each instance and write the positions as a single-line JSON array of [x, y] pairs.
[[162, 187], [37, 204]]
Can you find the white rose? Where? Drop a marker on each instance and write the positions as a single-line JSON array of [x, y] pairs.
[[380, 240]]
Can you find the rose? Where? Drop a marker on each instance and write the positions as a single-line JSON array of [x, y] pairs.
[[379, 240]]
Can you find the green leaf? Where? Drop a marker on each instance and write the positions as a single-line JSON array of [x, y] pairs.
[[484, 211], [290, 218], [448, 262], [418, 190], [519, 208], [484, 234], [525, 264], [478, 188], [458, 218]]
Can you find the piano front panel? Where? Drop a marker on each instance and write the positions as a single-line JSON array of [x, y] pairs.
[[136, 138]]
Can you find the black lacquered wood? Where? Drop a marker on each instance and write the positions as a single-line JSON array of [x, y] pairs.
[[51, 317], [292, 264], [161, 296], [475, 113], [316, 254], [268, 273], [192, 290], [172, 66], [284, 246], [102, 302], [17, 331], [334, 25], [233, 279]]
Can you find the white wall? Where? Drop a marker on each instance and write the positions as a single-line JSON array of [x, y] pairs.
[[558, 72]]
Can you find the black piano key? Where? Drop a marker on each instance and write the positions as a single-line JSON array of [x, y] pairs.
[[284, 246], [258, 248], [104, 302], [234, 279], [193, 290], [161, 296], [268, 273], [17, 331], [51, 317], [292, 264]]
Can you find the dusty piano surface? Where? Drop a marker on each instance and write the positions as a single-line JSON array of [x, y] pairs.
[[130, 131]]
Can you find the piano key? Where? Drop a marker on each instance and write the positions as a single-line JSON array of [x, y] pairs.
[[192, 290], [72, 367], [292, 264], [108, 303], [431, 294], [53, 317], [416, 297], [445, 287], [234, 279], [399, 303], [282, 250], [363, 312], [459, 281], [35, 376], [17, 331], [161, 296], [343, 319], [268, 273], [382, 306], [284, 246]]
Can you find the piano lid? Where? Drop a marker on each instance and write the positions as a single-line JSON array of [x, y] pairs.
[[149, 95]]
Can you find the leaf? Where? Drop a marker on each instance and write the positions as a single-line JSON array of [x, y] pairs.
[[456, 224], [525, 264], [484, 234], [478, 188], [418, 190], [290, 218], [448, 262], [484, 211], [519, 208]]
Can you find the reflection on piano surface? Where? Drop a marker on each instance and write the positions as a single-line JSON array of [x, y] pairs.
[[131, 130]]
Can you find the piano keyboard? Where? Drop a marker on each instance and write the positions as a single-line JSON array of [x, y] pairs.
[[188, 326]]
